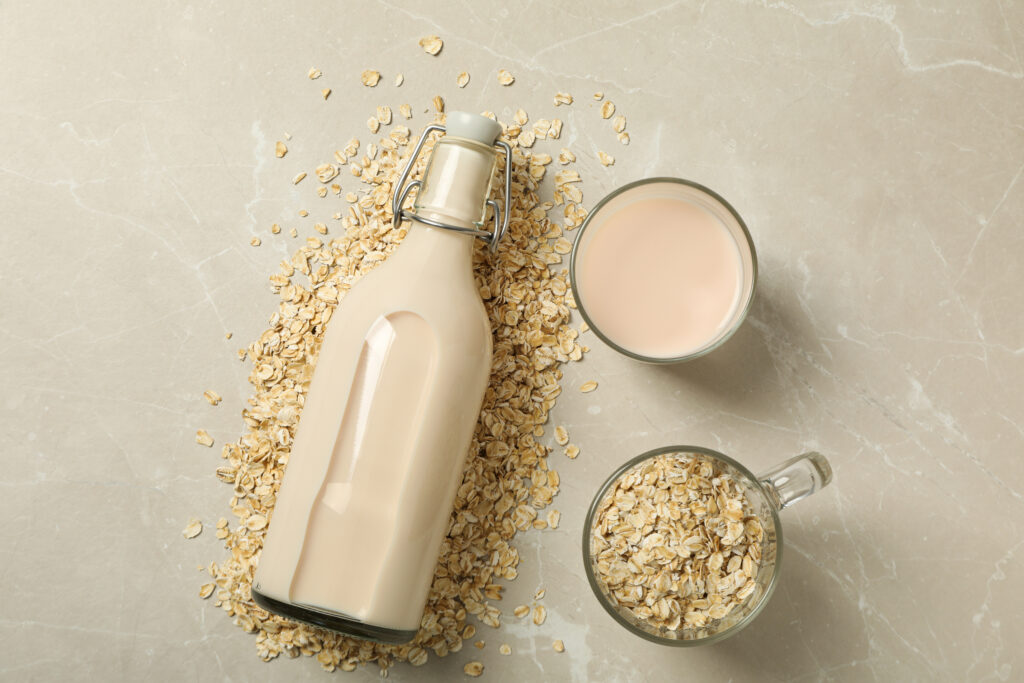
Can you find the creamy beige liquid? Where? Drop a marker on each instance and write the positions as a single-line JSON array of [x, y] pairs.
[[382, 439], [660, 275]]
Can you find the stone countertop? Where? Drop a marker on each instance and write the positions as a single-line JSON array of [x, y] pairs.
[[875, 150]]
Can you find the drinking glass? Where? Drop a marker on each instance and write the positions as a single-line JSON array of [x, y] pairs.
[[694, 193]]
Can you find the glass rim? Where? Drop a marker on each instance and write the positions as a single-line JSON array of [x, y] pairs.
[[579, 299], [614, 612]]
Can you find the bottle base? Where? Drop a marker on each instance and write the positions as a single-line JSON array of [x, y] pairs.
[[333, 622]]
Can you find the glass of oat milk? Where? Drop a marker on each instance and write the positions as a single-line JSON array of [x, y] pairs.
[[682, 545], [663, 270]]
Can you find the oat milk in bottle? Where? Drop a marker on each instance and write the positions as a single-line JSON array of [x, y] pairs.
[[389, 416]]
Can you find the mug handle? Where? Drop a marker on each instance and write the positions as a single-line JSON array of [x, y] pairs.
[[796, 478]]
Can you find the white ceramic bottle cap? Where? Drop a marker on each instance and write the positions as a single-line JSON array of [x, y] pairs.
[[462, 124]]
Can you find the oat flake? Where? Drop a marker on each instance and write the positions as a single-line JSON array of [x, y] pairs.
[[193, 528], [370, 78], [432, 44]]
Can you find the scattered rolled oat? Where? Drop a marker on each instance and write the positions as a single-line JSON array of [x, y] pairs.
[[561, 435], [280, 149], [553, 518], [212, 397], [256, 522], [320, 228], [417, 656], [468, 632], [619, 123], [326, 172], [605, 158], [293, 232], [505, 78], [374, 125], [556, 129], [431, 44], [463, 80], [607, 109], [193, 528], [370, 78], [505, 649], [326, 92], [473, 669], [384, 114], [676, 542], [203, 438], [298, 178], [587, 387], [558, 646], [624, 138], [598, 95], [540, 613], [206, 590], [228, 335], [562, 98], [539, 594], [479, 644], [399, 79], [571, 451], [303, 212], [314, 73], [565, 156], [505, 489], [521, 611], [405, 110], [275, 229], [439, 104]]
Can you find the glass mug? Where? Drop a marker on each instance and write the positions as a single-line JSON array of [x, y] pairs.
[[779, 487]]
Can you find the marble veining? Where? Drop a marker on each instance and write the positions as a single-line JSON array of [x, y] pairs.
[[874, 149]]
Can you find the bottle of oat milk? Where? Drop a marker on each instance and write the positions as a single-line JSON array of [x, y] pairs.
[[390, 412]]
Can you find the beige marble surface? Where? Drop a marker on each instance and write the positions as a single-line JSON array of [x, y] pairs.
[[875, 149]]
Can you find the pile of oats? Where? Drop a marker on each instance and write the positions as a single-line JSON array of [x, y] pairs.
[[676, 542], [507, 480]]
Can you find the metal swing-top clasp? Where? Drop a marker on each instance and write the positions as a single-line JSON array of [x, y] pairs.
[[501, 210]]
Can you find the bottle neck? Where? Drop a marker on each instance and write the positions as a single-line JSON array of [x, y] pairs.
[[456, 182]]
